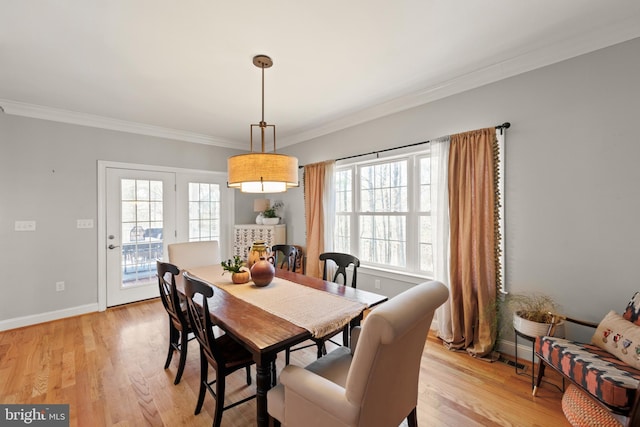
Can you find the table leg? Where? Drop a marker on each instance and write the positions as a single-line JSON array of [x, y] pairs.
[[263, 384]]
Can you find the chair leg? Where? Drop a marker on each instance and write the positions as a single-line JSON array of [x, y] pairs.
[[248, 369], [220, 386], [173, 340], [412, 418], [287, 356], [204, 370], [322, 349], [539, 378], [184, 345]]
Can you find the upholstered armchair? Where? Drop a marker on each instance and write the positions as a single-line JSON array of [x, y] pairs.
[[373, 384], [194, 254]]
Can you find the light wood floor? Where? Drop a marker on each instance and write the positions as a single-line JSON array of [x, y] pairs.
[[109, 367]]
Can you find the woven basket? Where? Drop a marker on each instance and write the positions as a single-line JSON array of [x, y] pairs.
[[581, 411]]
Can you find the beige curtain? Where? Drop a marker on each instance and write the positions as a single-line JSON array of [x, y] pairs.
[[314, 181], [472, 202]]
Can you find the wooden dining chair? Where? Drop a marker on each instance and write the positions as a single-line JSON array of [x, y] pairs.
[[179, 326], [223, 353], [301, 263], [285, 255], [342, 261]]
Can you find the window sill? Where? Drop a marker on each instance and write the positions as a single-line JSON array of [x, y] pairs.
[[392, 274]]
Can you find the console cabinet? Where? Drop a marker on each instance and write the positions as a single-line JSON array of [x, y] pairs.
[[246, 234]]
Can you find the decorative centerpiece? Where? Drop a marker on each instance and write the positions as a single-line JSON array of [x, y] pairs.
[[236, 266], [270, 215], [258, 250], [262, 272]]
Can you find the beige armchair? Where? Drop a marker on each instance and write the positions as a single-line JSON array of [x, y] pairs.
[[194, 254], [374, 384]]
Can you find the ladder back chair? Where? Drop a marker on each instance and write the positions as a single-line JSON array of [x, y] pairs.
[[223, 353], [285, 255], [179, 327], [342, 261]]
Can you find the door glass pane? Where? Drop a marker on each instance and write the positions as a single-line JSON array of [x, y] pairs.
[[204, 211], [142, 226]]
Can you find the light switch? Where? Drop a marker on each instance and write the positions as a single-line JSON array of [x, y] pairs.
[[25, 226], [85, 223]]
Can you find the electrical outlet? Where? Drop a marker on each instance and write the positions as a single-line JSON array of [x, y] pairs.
[[376, 284], [25, 226], [59, 286], [85, 223]]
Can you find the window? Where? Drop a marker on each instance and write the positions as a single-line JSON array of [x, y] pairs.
[[383, 212], [204, 211], [344, 203]]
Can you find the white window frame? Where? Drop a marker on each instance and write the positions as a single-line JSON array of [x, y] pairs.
[[412, 225], [226, 205], [412, 214], [183, 177]]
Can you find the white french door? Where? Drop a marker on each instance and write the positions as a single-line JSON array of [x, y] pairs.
[[140, 223]]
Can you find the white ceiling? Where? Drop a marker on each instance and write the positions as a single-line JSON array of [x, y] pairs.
[[183, 69]]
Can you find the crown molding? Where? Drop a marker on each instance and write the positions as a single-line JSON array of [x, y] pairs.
[[541, 57], [90, 120], [529, 61]]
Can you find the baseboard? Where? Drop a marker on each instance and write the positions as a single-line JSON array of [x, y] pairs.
[[525, 349], [19, 322]]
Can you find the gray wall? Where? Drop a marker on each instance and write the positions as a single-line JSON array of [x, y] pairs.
[[48, 173], [571, 188], [572, 197]]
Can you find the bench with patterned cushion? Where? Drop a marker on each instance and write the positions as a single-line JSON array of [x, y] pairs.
[[607, 378], [607, 370]]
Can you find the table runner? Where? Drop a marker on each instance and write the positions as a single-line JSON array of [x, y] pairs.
[[317, 311]]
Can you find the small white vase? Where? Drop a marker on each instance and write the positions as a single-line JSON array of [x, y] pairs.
[[259, 219]]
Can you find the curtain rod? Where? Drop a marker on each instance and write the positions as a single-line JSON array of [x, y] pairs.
[[505, 125]]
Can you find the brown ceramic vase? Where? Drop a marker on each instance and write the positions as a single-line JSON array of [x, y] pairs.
[[262, 272]]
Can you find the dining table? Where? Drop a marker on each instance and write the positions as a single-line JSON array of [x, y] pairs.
[[240, 312]]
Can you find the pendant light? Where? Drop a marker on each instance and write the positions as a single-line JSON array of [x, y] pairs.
[[261, 172]]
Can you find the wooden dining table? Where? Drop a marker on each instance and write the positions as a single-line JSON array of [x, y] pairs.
[[265, 334]]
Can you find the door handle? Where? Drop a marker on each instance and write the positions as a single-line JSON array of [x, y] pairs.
[[112, 247]]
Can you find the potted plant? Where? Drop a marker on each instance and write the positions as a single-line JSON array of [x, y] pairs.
[[270, 215], [535, 314], [236, 267]]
